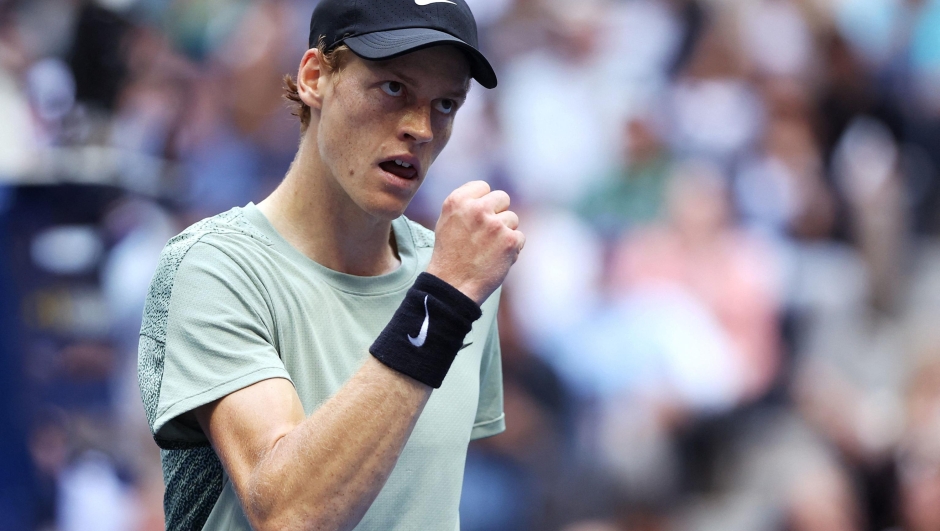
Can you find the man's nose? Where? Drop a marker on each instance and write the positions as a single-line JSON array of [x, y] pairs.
[[416, 125]]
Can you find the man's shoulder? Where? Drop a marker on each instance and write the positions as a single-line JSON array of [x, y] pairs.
[[423, 237], [220, 233], [228, 228], [225, 231]]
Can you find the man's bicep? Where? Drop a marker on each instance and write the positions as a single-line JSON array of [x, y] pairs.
[[245, 425]]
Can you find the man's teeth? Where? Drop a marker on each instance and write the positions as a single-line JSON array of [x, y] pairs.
[[404, 164]]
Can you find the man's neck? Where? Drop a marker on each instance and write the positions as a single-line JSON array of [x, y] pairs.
[[313, 214]]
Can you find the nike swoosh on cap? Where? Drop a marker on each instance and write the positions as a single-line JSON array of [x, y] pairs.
[[423, 334], [426, 2]]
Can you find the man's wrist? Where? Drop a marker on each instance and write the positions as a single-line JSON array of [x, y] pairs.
[[427, 331], [467, 288], [453, 297]]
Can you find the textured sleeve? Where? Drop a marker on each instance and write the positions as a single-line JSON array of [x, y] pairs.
[[490, 419], [207, 332]]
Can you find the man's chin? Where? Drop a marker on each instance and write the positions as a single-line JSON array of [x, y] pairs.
[[386, 203], [389, 210]]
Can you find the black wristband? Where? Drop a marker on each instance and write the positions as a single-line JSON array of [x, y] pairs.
[[427, 330]]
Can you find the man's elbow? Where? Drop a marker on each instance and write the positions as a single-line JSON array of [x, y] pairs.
[[265, 513], [271, 504], [296, 518], [283, 521], [279, 524]]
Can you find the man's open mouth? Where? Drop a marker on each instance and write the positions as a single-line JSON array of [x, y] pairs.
[[400, 168]]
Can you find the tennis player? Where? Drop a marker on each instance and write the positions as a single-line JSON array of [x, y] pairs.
[[318, 361]]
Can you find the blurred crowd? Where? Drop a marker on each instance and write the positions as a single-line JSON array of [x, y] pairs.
[[726, 317]]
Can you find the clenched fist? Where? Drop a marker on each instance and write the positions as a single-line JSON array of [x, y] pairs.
[[476, 240]]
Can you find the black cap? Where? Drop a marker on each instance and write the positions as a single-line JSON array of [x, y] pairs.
[[382, 29]]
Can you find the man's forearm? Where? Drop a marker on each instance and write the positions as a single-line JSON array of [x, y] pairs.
[[326, 472]]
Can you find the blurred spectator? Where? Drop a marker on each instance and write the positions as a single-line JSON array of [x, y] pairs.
[[633, 194], [867, 170], [779, 188], [97, 55], [550, 301], [715, 113], [776, 38], [698, 252], [556, 140]]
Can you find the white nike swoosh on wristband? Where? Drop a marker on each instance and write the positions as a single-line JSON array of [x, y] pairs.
[[423, 334], [426, 2]]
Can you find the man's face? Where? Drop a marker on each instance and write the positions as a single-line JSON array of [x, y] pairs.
[[375, 113]]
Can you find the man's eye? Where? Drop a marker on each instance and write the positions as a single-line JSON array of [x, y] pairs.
[[393, 88], [445, 106]]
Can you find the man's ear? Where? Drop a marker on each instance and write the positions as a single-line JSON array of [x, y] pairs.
[[310, 79]]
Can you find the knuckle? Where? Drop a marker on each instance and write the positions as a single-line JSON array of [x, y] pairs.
[[479, 213], [450, 203]]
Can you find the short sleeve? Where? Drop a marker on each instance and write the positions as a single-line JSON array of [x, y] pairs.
[[490, 419], [215, 338]]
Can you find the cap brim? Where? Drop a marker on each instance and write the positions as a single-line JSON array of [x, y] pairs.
[[392, 43]]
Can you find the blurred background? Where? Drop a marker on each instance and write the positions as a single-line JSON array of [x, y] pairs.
[[727, 315]]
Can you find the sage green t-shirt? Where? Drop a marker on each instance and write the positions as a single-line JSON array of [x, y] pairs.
[[232, 303]]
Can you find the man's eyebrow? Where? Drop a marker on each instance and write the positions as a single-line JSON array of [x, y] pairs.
[[460, 94], [408, 79], [457, 94]]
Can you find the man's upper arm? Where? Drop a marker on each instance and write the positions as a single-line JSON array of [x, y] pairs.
[[245, 425], [211, 335]]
